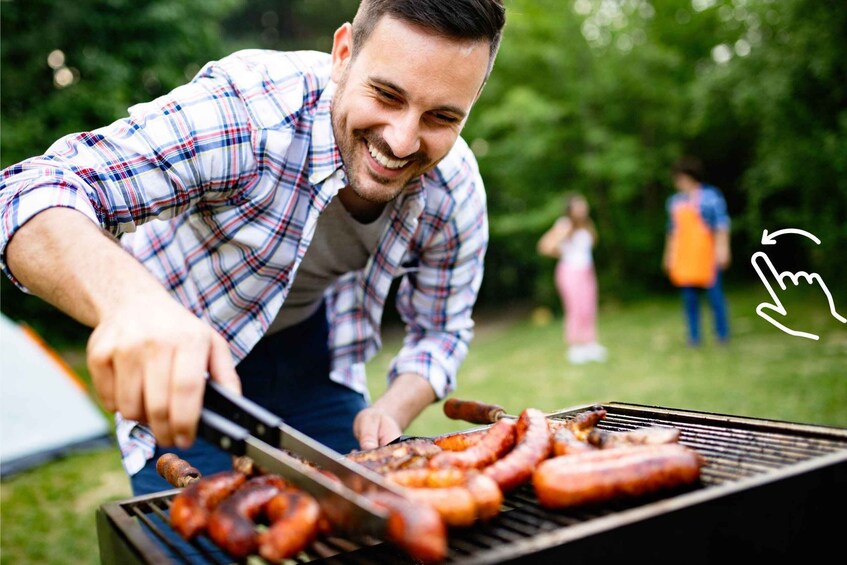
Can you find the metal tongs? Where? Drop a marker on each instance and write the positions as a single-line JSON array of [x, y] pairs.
[[242, 427]]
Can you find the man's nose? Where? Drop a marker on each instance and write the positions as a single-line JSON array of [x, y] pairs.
[[403, 134]]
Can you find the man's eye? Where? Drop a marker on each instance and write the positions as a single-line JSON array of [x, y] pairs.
[[387, 96], [445, 118]]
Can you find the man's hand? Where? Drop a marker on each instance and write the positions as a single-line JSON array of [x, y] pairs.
[[149, 362], [373, 427], [383, 422], [148, 355]]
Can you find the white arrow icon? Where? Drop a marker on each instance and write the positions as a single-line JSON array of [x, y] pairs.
[[770, 239]]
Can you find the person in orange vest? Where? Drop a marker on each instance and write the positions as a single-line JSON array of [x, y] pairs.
[[697, 248]]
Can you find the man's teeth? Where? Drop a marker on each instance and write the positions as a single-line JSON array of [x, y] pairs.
[[384, 160]]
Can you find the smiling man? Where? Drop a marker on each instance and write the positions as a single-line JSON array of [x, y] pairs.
[[262, 212]]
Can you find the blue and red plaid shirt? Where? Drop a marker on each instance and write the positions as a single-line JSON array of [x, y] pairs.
[[239, 163]]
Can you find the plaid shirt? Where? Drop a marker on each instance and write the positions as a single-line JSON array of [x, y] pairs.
[[241, 162]]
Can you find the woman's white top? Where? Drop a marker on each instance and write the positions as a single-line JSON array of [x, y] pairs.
[[576, 249]]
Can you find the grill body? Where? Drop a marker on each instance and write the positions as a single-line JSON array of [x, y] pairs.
[[766, 491]]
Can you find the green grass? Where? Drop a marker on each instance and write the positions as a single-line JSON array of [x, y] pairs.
[[517, 360]]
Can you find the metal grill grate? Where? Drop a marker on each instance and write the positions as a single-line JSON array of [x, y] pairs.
[[749, 462]]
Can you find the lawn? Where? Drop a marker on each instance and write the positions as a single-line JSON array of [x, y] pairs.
[[517, 360]]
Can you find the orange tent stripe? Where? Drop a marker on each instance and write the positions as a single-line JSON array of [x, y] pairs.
[[54, 356]]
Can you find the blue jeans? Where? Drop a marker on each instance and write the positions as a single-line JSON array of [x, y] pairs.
[[717, 303], [287, 373]]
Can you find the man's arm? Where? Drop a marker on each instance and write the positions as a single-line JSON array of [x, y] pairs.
[[148, 356], [550, 242], [407, 396], [723, 256]]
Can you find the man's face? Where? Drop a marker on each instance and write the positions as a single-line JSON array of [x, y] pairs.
[[401, 103]]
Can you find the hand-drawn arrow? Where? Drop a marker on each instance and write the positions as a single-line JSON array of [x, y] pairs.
[[770, 239], [777, 305]]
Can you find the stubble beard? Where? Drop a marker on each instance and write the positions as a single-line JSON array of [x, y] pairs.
[[364, 182]]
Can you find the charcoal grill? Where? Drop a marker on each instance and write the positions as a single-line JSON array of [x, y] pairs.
[[770, 489]]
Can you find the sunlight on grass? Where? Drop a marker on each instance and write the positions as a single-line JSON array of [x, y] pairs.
[[517, 361]]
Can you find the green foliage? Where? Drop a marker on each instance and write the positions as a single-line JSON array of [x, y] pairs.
[[598, 96], [119, 52]]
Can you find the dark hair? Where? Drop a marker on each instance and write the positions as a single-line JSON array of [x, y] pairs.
[[688, 165], [459, 19], [567, 201]]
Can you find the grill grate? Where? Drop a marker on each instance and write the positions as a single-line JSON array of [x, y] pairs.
[[747, 461]]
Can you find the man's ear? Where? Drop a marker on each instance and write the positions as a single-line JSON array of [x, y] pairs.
[[342, 50]]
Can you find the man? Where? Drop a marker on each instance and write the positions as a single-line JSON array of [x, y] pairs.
[[237, 261], [697, 247]]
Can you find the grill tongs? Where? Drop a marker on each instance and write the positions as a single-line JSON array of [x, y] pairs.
[[242, 427]]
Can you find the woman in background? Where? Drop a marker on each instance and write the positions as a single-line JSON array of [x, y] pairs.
[[571, 241]]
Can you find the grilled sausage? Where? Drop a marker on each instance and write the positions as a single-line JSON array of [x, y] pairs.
[[487, 494], [231, 524], [416, 528], [459, 441], [294, 517], [460, 496], [533, 445], [178, 472], [410, 454], [581, 425], [654, 435], [191, 507], [497, 440], [565, 442], [473, 411], [603, 475]]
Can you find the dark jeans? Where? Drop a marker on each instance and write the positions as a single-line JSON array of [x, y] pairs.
[[717, 303], [287, 373]]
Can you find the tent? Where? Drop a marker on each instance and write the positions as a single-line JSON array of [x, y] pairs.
[[45, 410]]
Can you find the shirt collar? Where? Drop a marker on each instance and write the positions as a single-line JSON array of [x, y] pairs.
[[324, 157]]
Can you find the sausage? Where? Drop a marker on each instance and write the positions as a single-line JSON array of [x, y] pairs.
[[460, 496], [231, 524], [191, 507], [497, 440], [178, 472], [473, 411], [654, 435], [604, 475], [533, 445], [565, 442], [409, 454], [294, 516], [487, 494], [459, 441], [415, 528], [581, 425]]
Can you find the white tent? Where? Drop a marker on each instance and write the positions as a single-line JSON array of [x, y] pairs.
[[45, 411]]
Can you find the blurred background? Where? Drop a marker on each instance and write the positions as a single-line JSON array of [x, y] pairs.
[[597, 96]]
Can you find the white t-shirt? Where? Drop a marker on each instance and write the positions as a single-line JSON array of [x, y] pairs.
[[576, 249]]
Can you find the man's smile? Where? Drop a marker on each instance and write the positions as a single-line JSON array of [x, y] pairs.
[[385, 160]]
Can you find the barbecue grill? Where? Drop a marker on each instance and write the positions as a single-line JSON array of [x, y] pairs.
[[769, 489]]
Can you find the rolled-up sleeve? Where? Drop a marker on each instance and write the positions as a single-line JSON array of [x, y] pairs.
[[436, 299]]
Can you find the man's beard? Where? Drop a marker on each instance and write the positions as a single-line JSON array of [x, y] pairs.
[[357, 170]]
